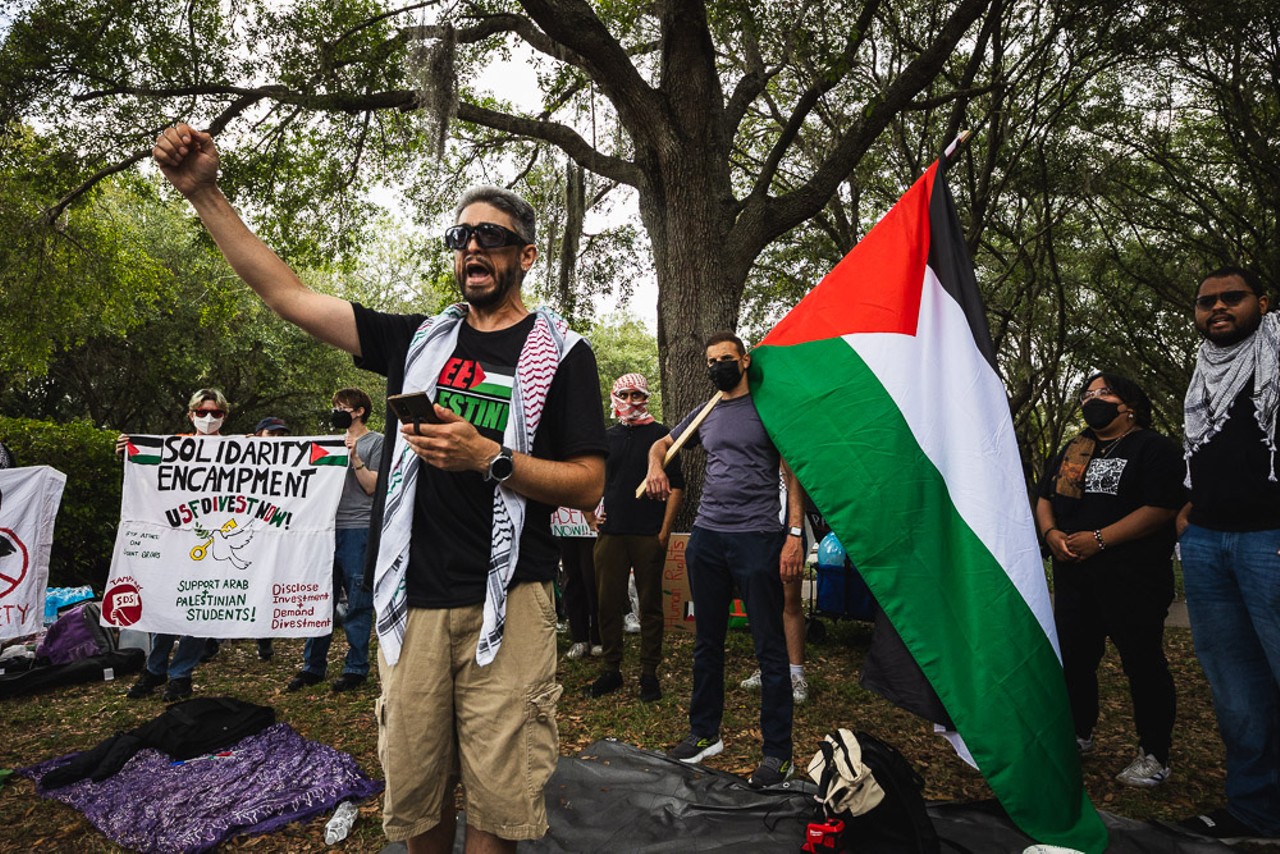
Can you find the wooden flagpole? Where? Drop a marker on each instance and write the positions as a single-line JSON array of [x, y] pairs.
[[684, 437]]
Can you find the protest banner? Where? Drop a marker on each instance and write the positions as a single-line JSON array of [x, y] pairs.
[[567, 522], [29, 499], [226, 536]]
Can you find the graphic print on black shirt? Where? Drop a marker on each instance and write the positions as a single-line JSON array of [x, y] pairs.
[[453, 511], [480, 392]]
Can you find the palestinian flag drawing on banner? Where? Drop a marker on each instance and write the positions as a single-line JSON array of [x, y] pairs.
[[880, 390], [144, 450], [328, 452]]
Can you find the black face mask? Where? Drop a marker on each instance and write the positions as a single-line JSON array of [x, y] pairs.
[[1100, 413], [725, 375], [340, 419]]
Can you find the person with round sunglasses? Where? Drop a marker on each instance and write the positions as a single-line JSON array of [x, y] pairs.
[[1106, 511], [207, 410]]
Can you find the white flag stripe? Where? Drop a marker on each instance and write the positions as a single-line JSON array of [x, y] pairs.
[[970, 439]]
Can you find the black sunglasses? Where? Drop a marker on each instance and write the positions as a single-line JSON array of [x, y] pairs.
[[489, 235], [1229, 298], [216, 413]]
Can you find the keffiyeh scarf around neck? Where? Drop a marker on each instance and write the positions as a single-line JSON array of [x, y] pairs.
[[1220, 375], [433, 344]]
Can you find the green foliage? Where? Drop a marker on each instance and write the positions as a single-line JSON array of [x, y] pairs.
[[85, 531]]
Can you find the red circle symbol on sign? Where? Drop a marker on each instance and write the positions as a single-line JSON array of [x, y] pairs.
[[13, 568], [122, 605]]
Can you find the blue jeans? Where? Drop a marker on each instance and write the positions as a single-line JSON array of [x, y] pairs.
[[1232, 580], [716, 561], [184, 660], [348, 558]]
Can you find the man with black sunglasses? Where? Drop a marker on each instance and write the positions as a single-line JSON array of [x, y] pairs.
[[1229, 540], [460, 545]]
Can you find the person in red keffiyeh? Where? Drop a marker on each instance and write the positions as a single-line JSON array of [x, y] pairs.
[[633, 534]]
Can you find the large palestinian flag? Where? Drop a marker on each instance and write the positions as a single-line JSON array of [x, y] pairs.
[[880, 390]]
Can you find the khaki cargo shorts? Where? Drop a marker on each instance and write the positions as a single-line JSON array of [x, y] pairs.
[[442, 717]]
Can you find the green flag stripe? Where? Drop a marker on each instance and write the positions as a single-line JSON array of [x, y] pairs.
[[331, 460], [951, 601]]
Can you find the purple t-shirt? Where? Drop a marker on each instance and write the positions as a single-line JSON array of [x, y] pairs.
[[741, 488]]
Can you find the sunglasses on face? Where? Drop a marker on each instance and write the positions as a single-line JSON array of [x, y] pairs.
[[216, 413], [1228, 298], [489, 235]]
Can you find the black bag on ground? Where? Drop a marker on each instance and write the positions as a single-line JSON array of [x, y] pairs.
[[901, 817], [875, 791]]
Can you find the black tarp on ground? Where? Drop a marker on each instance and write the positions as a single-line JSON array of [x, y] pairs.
[[614, 797]]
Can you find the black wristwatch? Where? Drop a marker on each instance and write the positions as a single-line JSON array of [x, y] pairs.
[[501, 467]]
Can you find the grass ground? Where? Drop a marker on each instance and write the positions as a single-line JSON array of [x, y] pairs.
[[78, 717]]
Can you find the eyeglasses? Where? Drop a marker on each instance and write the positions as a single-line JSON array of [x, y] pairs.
[[633, 395], [216, 413], [489, 235], [1096, 392], [1228, 298]]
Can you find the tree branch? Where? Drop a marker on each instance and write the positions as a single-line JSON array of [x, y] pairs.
[[561, 136], [51, 214], [763, 219]]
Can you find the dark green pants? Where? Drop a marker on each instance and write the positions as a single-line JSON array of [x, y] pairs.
[[615, 556]]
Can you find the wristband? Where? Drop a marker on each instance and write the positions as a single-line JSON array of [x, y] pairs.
[[361, 466], [1097, 535], [1047, 532]]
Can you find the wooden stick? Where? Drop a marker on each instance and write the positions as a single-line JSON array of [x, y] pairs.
[[684, 437]]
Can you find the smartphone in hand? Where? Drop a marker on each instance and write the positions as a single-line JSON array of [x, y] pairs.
[[413, 408]]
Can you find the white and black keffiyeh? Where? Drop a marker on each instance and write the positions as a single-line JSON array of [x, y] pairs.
[[431, 346], [1221, 374]]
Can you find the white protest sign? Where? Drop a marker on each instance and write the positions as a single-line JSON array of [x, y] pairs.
[[227, 536], [29, 499], [567, 522]]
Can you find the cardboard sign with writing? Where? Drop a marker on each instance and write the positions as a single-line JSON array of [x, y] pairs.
[[677, 598]]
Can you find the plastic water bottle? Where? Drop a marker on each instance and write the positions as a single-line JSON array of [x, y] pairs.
[[340, 825]]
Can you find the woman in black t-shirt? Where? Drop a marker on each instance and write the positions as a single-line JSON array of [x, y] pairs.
[[1106, 510]]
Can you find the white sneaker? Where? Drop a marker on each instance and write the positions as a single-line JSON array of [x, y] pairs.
[[597, 650], [1084, 745], [799, 689], [578, 650], [1145, 771], [631, 624], [752, 682]]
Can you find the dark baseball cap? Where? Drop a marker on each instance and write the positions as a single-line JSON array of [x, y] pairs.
[[273, 424]]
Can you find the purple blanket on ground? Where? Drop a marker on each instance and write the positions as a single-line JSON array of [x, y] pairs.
[[266, 781]]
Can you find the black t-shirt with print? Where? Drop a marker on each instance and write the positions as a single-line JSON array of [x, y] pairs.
[[1141, 469], [1231, 489], [453, 511]]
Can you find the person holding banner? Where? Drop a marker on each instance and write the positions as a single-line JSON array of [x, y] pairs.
[[461, 547], [351, 407], [575, 534], [207, 411]]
